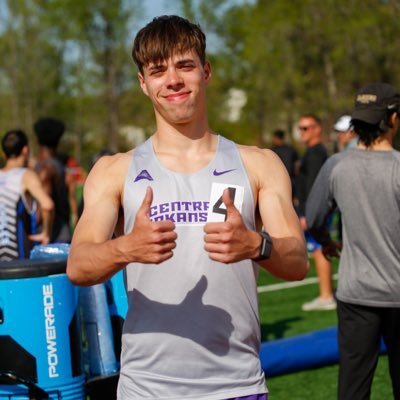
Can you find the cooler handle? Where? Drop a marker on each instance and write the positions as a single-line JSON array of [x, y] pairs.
[[35, 392]]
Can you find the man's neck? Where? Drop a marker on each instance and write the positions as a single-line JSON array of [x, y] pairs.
[[45, 152], [11, 163], [313, 141], [184, 150], [382, 143], [182, 137]]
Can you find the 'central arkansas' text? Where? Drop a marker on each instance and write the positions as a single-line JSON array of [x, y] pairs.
[[180, 211]]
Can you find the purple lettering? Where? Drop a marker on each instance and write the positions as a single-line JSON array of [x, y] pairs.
[[196, 206], [192, 217], [181, 217], [164, 208], [203, 217], [175, 206], [153, 211], [170, 217], [186, 205]]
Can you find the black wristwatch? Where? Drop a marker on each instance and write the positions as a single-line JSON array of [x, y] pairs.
[[265, 248]]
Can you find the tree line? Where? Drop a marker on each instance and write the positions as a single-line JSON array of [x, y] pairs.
[[272, 60]]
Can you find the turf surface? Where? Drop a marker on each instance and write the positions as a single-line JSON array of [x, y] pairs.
[[281, 317]]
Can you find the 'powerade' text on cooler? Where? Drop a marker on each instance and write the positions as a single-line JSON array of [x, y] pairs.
[[51, 334]]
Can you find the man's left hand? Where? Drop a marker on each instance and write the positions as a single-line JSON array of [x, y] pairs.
[[230, 241]]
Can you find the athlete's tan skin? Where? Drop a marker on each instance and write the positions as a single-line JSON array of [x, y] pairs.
[[183, 142]]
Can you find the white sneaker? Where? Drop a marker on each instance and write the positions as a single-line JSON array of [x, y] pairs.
[[319, 304]]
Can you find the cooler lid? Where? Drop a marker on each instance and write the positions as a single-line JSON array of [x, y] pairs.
[[28, 268]]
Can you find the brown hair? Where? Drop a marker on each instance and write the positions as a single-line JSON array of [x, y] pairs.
[[163, 37]]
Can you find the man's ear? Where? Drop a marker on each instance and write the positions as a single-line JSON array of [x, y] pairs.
[[142, 83], [393, 118], [207, 71]]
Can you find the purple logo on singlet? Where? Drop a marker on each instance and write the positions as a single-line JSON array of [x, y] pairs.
[[180, 212], [143, 175], [218, 173]]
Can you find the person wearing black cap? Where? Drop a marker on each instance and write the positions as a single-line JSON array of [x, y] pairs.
[[364, 183]]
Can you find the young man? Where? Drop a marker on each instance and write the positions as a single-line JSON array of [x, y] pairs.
[[19, 189], [52, 175], [364, 183], [191, 202], [311, 135]]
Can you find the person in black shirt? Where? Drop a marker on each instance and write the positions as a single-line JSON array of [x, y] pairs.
[[287, 154], [51, 172], [310, 130]]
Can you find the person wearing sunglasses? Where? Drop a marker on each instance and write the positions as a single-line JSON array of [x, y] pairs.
[[314, 157]]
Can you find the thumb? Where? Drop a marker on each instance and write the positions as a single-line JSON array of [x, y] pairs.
[[146, 203], [228, 201]]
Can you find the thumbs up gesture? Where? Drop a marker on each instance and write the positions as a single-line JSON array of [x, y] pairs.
[[151, 242], [230, 241]]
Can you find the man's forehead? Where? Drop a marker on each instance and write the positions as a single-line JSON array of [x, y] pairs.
[[176, 57]]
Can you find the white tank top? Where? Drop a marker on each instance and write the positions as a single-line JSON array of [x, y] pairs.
[[192, 328], [15, 220]]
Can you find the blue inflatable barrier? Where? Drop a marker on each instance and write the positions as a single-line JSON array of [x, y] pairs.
[[99, 333], [311, 350], [119, 302], [40, 342]]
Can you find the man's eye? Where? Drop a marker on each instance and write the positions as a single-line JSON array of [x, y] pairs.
[[187, 67]]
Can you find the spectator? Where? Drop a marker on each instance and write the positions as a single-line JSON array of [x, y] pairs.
[[52, 175], [365, 184], [346, 137], [310, 164], [20, 189], [287, 154], [71, 185]]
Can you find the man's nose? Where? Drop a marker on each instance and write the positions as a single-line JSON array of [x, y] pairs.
[[173, 77]]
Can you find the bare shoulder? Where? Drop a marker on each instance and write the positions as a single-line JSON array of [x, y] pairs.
[[112, 164], [261, 164], [107, 176], [30, 177], [29, 174]]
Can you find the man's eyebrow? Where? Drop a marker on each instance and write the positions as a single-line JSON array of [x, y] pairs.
[[185, 61], [155, 66]]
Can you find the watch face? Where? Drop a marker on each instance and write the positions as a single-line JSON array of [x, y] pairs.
[[266, 247]]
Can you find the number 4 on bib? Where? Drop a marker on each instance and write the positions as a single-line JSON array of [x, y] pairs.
[[217, 210]]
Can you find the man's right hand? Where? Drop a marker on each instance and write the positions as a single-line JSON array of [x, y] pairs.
[[150, 242], [332, 249]]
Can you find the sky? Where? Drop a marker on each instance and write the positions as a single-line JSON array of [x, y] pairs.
[[154, 8]]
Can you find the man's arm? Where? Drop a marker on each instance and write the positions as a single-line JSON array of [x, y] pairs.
[[31, 184], [231, 241], [71, 185], [289, 253], [320, 204], [94, 255]]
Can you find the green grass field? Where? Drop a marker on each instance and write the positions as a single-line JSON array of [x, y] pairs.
[[281, 317]]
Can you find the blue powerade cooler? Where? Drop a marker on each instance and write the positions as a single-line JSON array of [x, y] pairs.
[[40, 336]]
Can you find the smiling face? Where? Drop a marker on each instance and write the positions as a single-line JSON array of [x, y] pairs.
[[177, 87]]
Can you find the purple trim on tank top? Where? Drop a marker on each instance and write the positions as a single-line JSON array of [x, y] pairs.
[[262, 396]]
